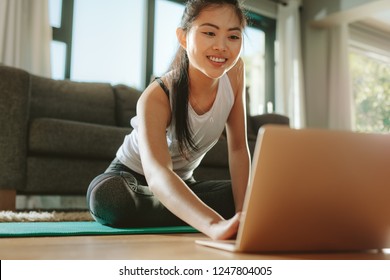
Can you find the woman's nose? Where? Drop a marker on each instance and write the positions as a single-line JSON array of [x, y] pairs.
[[220, 45]]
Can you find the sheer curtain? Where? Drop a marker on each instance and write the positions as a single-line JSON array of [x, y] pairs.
[[290, 97], [340, 88], [25, 35]]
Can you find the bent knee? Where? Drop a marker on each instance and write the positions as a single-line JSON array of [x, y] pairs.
[[109, 200]]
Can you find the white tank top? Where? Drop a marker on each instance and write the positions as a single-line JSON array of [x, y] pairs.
[[206, 129]]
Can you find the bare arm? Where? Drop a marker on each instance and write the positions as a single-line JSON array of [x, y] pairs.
[[239, 160], [154, 115]]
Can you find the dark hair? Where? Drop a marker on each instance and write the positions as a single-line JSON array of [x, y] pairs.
[[180, 79]]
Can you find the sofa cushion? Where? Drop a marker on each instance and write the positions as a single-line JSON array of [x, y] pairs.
[[69, 100], [74, 139], [126, 102]]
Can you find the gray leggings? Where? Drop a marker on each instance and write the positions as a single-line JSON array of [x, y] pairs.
[[120, 197]]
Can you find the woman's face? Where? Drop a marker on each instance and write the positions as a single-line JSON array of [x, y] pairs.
[[214, 41]]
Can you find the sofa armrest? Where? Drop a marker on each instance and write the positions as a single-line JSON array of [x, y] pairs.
[[14, 107]]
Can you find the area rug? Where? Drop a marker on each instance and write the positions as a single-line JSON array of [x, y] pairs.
[[44, 216]]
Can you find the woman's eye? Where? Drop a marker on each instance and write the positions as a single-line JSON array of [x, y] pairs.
[[209, 33], [234, 37]]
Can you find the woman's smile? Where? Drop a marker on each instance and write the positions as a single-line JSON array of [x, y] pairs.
[[217, 59]]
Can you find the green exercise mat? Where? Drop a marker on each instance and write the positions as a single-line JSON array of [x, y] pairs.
[[25, 229]]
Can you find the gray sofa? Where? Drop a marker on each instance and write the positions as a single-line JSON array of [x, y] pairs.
[[57, 135]]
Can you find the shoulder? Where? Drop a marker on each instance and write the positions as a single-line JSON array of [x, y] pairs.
[[159, 90], [236, 76], [154, 101], [154, 92]]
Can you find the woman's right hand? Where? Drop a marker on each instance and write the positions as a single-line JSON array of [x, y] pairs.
[[225, 229]]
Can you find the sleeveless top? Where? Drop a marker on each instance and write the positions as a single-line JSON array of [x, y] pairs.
[[206, 130]]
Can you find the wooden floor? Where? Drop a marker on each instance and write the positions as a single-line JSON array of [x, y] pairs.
[[144, 247]]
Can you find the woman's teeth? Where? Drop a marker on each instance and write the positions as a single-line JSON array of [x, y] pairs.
[[216, 59]]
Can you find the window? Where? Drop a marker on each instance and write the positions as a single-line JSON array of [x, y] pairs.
[[129, 41], [253, 56], [55, 7], [259, 55], [108, 42], [58, 59], [61, 19], [371, 90], [165, 34], [370, 73], [104, 48]]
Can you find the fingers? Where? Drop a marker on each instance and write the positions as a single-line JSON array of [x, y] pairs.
[[226, 229]]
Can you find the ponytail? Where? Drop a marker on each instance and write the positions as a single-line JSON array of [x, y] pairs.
[[180, 100]]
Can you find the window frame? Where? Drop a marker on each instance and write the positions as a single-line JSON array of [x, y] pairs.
[[64, 33], [268, 26]]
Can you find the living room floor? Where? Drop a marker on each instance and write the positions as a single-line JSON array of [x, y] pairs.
[[148, 247]]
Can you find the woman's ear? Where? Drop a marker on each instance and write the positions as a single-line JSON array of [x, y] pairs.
[[181, 37]]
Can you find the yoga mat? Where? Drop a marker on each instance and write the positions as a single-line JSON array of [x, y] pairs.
[[26, 229]]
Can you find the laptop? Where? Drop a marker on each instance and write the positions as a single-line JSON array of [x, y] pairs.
[[315, 190]]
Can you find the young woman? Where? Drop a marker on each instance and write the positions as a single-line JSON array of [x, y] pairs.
[[179, 118]]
